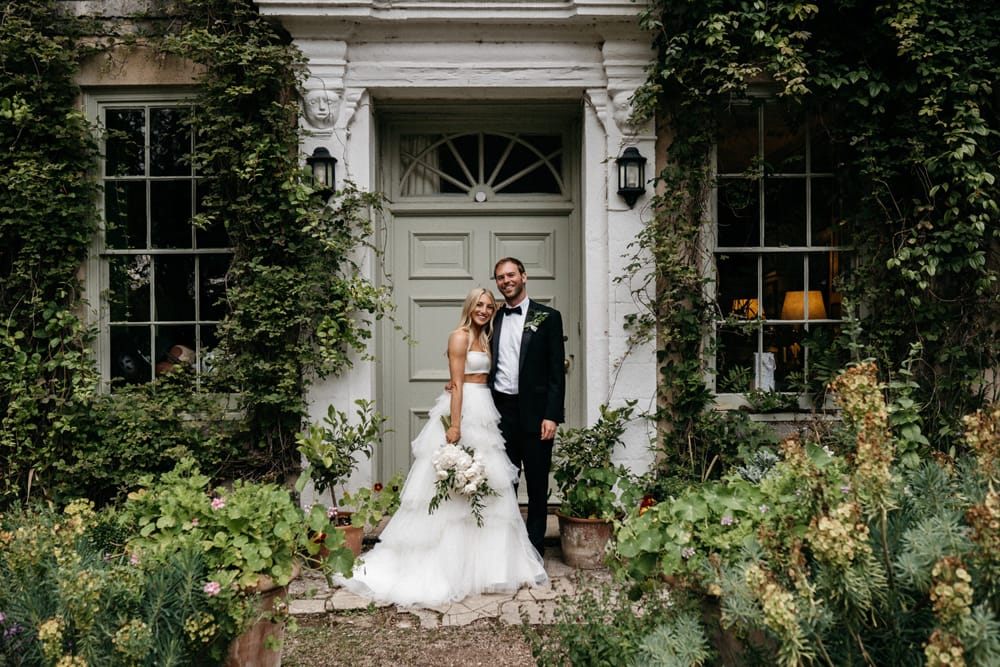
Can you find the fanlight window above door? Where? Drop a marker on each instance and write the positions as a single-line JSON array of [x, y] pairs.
[[481, 165]]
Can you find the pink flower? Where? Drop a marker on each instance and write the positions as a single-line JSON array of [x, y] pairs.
[[134, 560], [212, 588], [194, 521], [218, 503]]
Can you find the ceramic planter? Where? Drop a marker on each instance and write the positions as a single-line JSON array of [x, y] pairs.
[[584, 541]]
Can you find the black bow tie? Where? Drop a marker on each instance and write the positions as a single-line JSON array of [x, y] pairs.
[[512, 311]]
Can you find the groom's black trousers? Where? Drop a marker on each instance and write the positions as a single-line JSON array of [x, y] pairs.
[[533, 455]]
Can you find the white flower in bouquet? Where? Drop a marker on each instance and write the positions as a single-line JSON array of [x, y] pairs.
[[460, 469]]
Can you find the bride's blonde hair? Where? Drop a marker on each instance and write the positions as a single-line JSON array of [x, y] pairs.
[[466, 324]]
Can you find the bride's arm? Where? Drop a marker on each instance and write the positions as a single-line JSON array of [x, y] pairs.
[[458, 344]]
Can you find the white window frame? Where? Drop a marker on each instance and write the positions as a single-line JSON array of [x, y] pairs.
[[711, 249], [97, 274]]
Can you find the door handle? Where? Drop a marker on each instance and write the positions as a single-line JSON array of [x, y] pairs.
[[566, 364]]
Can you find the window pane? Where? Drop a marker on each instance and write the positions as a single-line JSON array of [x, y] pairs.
[[130, 354], [128, 298], [213, 237], [823, 360], [734, 359], [737, 282], [209, 339], [170, 142], [821, 277], [126, 142], [174, 288], [540, 176], [782, 273], [824, 212], [213, 286], [785, 212], [175, 346], [739, 213], [170, 214], [820, 150], [785, 342], [125, 214], [457, 156], [784, 143], [738, 146]]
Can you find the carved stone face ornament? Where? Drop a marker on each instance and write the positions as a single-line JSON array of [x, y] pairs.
[[320, 107]]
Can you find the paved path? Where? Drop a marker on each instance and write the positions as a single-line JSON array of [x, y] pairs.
[[309, 594]]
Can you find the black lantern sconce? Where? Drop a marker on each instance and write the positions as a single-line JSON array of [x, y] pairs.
[[631, 175], [324, 171]]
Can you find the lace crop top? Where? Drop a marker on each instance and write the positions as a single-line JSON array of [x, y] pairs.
[[476, 362]]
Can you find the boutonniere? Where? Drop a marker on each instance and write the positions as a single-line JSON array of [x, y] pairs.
[[535, 321]]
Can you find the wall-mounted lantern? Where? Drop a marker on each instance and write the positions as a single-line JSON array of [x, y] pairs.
[[324, 171], [631, 175]]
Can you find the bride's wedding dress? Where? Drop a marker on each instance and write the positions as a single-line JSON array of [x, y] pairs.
[[427, 559]]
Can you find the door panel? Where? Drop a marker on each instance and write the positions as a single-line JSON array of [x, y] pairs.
[[442, 266]]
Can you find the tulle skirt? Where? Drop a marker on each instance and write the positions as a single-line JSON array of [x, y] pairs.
[[427, 559]]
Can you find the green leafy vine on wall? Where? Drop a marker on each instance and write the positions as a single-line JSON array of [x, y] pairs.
[[299, 308], [907, 94], [47, 222], [295, 293]]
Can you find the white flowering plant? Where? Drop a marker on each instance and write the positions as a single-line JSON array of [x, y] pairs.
[[460, 469]]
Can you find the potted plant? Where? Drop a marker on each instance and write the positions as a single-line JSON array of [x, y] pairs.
[[330, 449], [251, 536], [371, 507], [587, 481]]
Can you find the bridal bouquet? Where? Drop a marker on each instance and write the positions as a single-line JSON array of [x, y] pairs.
[[460, 469]]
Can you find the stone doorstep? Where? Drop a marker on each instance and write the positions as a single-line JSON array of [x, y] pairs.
[[310, 596]]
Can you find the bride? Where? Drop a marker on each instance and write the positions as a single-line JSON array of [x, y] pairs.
[[426, 558]]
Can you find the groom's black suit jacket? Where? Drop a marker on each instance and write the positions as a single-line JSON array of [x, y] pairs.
[[541, 377]]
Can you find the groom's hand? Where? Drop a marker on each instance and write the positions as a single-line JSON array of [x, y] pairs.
[[548, 429]]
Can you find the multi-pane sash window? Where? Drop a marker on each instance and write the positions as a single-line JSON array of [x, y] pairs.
[[165, 278], [777, 250]]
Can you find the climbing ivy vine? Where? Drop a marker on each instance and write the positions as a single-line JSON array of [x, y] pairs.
[[295, 293], [47, 222], [907, 93], [298, 307]]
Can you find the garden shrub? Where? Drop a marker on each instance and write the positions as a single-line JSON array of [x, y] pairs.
[[73, 596], [838, 553], [600, 626]]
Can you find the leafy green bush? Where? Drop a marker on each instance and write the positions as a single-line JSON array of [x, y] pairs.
[[582, 467], [369, 506], [599, 625], [842, 557], [250, 531], [68, 601], [329, 447]]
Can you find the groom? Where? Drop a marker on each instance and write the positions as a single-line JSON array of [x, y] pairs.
[[529, 386]]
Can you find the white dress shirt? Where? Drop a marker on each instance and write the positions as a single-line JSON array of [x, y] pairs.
[[509, 351]]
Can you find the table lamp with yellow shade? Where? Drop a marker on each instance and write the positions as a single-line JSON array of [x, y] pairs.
[[794, 307]]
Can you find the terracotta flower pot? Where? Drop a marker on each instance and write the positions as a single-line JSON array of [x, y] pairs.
[[260, 645], [583, 541]]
